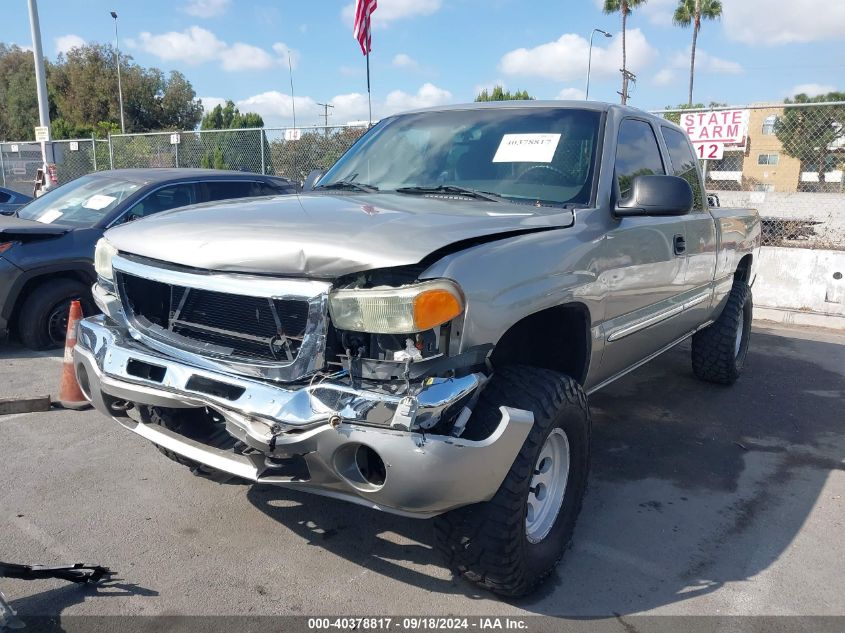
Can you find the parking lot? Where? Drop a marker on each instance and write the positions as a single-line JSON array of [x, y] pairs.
[[703, 500]]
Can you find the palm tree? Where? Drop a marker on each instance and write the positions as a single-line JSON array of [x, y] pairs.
[[624, 7], [690, 12]]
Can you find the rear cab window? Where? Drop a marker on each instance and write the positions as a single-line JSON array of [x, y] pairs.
[[684, 163], [637, 154]]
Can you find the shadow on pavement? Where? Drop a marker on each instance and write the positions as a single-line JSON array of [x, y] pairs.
[[692, 486]]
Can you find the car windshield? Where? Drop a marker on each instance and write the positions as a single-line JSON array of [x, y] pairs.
[[80, 203], [530, 154]]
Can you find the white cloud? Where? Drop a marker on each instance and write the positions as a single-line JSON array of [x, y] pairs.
[[664, 77], [66, 42], [275, 107], [209, 103], [705, 62], [428, 95], [565, 59], [571, 94], [811, 90], [207, 8], [401, 60], [390, 10], [196, 45], [772, 22]]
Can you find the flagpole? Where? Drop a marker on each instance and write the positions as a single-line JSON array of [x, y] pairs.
[[369, 94]]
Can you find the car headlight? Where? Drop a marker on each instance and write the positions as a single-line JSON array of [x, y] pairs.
[[103, 254], [414, 308]]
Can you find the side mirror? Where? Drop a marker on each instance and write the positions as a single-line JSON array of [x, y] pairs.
[[312, 179], [656, 195]]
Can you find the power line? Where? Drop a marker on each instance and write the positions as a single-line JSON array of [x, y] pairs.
[[326, 107]]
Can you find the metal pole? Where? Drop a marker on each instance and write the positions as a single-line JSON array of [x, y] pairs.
[[369, 94], [111, 153], [94, 150], [119, 85], [41, 85], [261, 142], [590, 59], [2, 168]]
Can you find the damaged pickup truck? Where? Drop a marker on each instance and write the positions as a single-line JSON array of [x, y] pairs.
[[419, 333]]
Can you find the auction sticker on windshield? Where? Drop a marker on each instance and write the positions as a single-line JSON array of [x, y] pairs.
[[98, 202], [527, 148]]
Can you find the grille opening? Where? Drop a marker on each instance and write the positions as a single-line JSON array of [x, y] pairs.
[[140, 369], [240, 326], [294, 467], [370, 465], [214, 388]]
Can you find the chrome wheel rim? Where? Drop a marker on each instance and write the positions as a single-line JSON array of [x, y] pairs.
[[548, 486], [739, 331]]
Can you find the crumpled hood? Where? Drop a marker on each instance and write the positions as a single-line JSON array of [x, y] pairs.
[[323, 235], [14, 228]]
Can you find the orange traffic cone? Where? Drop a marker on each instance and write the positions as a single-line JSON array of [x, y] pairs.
[[70, 395]]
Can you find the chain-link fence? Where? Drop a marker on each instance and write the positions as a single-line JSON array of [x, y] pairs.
[[789, 166]]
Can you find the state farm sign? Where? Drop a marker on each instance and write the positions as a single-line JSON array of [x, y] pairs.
[[725, 126]]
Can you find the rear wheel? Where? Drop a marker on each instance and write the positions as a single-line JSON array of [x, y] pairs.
[[720, 349], [512, 542], [42, 322]]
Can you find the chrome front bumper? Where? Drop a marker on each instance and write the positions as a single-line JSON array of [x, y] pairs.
[[324, 423]]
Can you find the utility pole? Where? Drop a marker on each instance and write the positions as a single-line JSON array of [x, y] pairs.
[[41, 89], [119, 86], [627, 77], [326, 107]]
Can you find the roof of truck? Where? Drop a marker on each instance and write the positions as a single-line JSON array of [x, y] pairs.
[[162, 174]]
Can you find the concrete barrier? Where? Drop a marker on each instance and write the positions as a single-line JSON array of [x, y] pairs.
[[800, 286]]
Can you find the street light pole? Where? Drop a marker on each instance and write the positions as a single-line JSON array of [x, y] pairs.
[[590, 59], [41, 87], [119, 86]]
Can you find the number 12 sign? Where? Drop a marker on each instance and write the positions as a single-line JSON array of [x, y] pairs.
[[710, 151]]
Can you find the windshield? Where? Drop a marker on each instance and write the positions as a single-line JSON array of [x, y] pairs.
[[523, 154], [80, 203]]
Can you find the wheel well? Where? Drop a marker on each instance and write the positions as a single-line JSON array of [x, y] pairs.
[[743, 269], [557, 338], [31, 285]]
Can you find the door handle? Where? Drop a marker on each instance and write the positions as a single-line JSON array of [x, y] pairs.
[[680, 244]]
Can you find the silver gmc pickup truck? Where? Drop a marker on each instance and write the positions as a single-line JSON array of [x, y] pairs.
[[418, 333]]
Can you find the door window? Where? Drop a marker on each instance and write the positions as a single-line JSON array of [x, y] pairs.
[[163, 199], [637, 154], [684, 163], [228, 189]]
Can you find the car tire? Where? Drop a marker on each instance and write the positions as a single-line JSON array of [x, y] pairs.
[[503, 545], [42, 321], [193, 424], [719, 350]]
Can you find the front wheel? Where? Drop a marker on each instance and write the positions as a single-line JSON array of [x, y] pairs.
[[42, 322], [509, 544], [720, 349]]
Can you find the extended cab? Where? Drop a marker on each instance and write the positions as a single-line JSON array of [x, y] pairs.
[[419, 333]]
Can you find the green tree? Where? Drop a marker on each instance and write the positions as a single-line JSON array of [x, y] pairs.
[[500, 94], [18, 103], [690, 12], [624, 7], [811, 133], [675, 117], [228, 117]]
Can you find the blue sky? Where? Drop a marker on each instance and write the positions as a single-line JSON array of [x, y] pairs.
[[428, 52]]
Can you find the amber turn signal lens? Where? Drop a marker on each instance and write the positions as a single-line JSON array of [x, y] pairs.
[[433, 307]]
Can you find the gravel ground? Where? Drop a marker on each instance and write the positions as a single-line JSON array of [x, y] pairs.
[[703, 500]]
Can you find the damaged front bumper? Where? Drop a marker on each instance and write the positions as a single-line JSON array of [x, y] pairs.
[[326, 424]]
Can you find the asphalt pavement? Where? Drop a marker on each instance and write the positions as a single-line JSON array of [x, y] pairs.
[[703, 500]]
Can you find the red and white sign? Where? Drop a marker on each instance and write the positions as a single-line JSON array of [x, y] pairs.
[[724, 126], [709, 151]]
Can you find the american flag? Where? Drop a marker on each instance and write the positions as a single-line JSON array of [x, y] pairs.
[[362, 32]]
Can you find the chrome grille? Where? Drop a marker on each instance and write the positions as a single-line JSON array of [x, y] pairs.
[[222, 324]]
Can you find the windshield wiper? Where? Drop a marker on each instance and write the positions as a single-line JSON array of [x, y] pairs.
[[349, 184], [464, 191]]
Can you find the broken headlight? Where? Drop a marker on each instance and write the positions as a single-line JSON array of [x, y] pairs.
[[414, 308]]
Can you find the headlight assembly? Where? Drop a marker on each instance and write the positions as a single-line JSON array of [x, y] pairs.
[[103, 254], [413, 308]]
